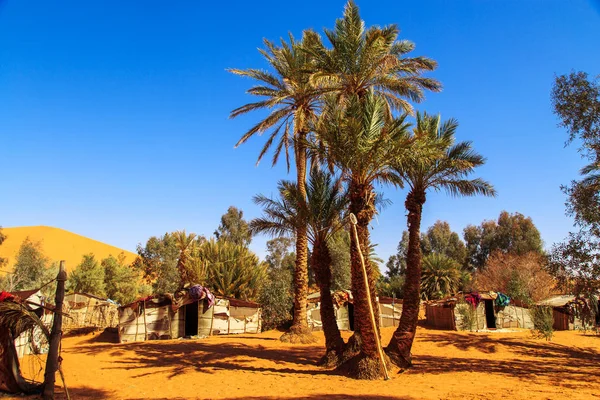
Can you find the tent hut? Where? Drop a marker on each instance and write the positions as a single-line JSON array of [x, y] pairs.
[[389, 311], [87, 310], [489, 312], [566, 310], [18, 319], [193, 312]]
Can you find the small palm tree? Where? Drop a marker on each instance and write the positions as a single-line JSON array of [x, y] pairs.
[[293, 103], [441, 276], [321, 212], [359, 139], [232, 269], [447, 170], [185, 245]]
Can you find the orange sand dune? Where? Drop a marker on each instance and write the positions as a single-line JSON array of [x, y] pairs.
[[57, 244], [448, 365]]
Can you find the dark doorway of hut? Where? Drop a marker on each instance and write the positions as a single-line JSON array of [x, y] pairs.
[[490, 317], [191, 319], [351, 316]]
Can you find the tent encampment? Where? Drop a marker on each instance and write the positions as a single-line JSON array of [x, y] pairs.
[[86, 310], [567, 310], [488, 312], [390, 310], [187, 313]]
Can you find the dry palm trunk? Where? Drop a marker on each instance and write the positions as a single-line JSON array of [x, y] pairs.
[[334, 344], [299, 331], [366, 364], [399, 348]]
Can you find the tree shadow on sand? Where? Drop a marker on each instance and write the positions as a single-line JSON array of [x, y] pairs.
[[321, 396], [174, 358], [563, 365]]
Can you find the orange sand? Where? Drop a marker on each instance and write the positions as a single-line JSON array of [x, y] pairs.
[[448, 365], [57, 244]]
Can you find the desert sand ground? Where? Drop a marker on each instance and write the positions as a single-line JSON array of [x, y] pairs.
[[448, 365]]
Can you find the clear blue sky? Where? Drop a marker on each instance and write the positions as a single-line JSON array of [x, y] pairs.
[[114, 115]]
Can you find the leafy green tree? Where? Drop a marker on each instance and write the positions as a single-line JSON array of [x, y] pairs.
[[32, 268], [448, 170], [280, 255], [158, 262], [88, 277], [292, 102], [122, 283], [575, 262], [276, 296], [339, 249], [396, 265], [512, 233], [439, 239], [233, 228], [441, 276]]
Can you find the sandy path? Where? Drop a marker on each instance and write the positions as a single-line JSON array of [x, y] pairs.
[[448, 365]]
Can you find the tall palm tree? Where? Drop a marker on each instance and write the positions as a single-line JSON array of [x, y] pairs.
[[322, 213], [362, 59], [448, 171], [293, 103], [359, 139]]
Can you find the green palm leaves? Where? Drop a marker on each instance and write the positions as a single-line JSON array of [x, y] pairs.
[[321, 210], [437, 163], [440, 277]]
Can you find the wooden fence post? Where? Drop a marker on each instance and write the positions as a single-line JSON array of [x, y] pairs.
[[52, 362]]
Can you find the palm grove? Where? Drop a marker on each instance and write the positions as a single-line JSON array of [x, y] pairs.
[[341, 107]]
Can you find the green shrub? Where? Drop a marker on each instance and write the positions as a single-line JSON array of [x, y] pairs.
[[542, 321], [466, 312]]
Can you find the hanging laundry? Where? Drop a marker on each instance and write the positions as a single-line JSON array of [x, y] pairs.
[[502, 300], [473, 299]]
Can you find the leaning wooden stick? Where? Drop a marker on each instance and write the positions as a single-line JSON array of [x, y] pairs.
[[354, 221]]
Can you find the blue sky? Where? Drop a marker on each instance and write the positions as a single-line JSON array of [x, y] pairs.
[[114, 115]]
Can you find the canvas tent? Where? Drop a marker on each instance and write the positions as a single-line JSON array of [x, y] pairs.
[[389, 311], [488, 312], [185, 314], [87, 310], [566, 310]]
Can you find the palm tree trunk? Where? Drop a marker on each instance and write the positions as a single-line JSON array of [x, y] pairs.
[[366, 364], [334, 344], [399, 348], [299, 331]]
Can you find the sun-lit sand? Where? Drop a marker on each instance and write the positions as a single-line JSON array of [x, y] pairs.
[[448, 365], [57, 244]]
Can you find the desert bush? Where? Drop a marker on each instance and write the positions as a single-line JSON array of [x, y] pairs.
[[276, 299], [542, 321], [466, 313], [522, 277]]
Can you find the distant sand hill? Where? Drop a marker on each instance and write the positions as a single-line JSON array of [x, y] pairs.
[[57, 244]]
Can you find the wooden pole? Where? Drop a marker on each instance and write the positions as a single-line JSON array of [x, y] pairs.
[[354, 221], [145, 326], [52, 362]]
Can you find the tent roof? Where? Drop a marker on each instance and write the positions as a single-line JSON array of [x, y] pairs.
[[25, 294], [557, 301]]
